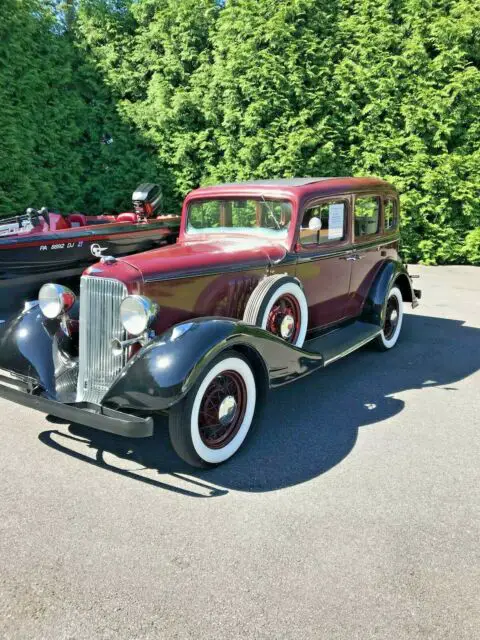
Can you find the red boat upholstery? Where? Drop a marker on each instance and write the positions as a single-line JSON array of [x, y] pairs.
[[103, 219], [58, 222], [77, 220], [128, 217]]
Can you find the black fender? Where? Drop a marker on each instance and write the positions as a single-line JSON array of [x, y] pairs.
[[38, 350], [163, 372], [391, 273]]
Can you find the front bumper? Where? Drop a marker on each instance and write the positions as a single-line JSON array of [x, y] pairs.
[[18, 389]]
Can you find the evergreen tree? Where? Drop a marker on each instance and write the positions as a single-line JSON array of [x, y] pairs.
[[409, 80], [197, 91], [150, 53], [271, 101], [57, 116]]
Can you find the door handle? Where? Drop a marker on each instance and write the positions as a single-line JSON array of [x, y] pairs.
[[351, 258]]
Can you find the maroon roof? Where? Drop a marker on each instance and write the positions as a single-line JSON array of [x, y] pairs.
[[296, 187]]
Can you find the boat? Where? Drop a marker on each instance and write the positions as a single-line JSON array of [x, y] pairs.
[[40, 245]]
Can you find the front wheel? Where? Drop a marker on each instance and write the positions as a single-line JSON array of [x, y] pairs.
[[392, 323], [211, 423]]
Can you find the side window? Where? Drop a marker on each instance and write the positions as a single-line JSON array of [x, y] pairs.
[[323, 223], [367, 215], [390, 217]]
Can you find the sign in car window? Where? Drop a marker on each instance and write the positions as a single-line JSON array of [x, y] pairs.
[[323, 223], [335, 221]]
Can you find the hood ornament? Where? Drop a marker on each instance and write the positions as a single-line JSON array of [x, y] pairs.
[[97, 250], [108, 260]]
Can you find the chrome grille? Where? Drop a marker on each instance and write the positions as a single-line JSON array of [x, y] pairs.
[[100, 300]]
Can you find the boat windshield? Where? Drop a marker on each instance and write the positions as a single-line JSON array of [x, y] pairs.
[[254, 216]]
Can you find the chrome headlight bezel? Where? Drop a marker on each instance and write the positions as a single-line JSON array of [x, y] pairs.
[[55, 300], [137, 314]]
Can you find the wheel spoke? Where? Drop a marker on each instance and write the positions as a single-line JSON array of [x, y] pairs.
[[214, 432]]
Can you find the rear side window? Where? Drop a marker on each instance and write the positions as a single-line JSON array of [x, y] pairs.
[[323, 223], [390, 216], [367, 215]]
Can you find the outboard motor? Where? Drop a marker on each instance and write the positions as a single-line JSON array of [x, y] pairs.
[[45, 214], [147, 199]]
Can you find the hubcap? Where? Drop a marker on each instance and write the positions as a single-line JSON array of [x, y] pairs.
[[284, 318], [392, 315], [287, 326], [227, 409]]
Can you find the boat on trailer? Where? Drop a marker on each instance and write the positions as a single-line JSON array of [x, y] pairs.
[[39, 245]]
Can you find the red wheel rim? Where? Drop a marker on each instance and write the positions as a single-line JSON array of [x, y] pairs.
[[284, 308], [217, 430]]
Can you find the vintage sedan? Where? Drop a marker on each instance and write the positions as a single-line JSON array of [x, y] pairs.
[[268, 281]]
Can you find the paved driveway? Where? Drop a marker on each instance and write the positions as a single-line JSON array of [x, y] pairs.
[[353, 513]]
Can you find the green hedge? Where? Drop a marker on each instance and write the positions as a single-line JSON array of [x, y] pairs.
[[195, 92]]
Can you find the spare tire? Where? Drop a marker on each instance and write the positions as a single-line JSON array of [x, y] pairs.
[[278, 304]]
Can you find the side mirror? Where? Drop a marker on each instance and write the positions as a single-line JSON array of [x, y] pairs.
[[315, 224]]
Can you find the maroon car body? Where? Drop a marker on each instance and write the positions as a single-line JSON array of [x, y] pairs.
[[214, 273], [268, 281]]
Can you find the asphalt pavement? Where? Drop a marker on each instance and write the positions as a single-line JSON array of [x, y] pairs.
[[354, 511]]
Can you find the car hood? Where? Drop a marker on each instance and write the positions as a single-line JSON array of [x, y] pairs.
[[193, 257]]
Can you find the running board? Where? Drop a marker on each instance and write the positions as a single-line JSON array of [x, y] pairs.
[[340, 342]]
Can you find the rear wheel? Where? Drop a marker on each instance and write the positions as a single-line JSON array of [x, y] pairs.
[[211, 423], [393, 319]]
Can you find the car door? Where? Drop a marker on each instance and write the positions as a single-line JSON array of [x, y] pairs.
[[367, 251], [322, 266]]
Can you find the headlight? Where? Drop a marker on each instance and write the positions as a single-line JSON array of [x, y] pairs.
[[55, 300], [136, 314]]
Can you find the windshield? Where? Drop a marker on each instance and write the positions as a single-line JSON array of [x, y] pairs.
[[269, 217]]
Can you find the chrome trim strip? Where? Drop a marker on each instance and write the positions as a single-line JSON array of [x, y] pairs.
[[218, 270], [378, 242], [340, 253]]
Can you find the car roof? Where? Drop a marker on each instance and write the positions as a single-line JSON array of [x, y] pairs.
[[282, 182], [294, 186]]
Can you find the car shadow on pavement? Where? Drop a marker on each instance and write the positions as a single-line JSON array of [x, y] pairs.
[[307, 427]]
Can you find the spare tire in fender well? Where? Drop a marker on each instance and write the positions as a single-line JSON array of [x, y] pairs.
[[293, 309]]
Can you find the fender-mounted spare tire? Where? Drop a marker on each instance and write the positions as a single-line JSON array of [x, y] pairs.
[[278, 304]]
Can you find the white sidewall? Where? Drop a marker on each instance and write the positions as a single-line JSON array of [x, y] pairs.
[[391, 343], [215, 456], [294, 290]]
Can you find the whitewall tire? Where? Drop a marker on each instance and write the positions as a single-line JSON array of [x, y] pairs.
[[212, 422], [392, 321], [278, 304]]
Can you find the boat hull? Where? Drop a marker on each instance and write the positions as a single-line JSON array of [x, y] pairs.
[[26, 264]]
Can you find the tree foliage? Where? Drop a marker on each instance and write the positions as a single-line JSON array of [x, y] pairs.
[[200, 91], [56, 118]]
